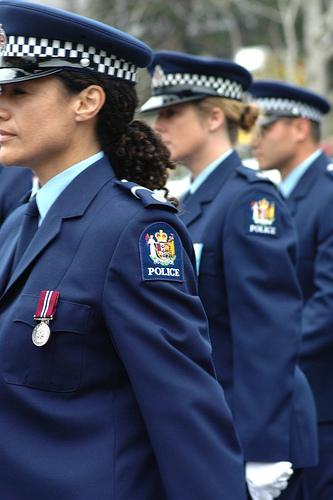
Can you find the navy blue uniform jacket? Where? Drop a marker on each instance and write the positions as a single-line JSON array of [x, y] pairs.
[[311, 205], [248, 284], [122, 402], [15, 182]]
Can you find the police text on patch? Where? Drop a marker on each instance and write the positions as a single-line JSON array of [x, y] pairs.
[[163, 271], [262, 229]]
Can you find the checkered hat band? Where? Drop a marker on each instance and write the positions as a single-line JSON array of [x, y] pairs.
[[288, 106], [99, 60], [222, 87]]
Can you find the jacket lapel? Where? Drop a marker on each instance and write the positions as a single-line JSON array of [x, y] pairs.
[[306, 182], [72, 203], [42, 238], [194, 205], [7, 250]]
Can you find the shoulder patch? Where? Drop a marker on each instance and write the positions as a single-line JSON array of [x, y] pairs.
[[161, 253], [145, 195], [262, 217]]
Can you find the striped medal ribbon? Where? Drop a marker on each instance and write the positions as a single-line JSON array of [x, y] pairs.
[[46, 308]]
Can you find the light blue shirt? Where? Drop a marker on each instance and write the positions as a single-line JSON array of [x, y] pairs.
[[289, 183], [48, 193], [200, 179]]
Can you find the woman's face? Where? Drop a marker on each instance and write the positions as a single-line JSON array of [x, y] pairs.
[[37, 124], [184, 131]]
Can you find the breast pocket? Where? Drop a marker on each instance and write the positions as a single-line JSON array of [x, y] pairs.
[[56, 366]]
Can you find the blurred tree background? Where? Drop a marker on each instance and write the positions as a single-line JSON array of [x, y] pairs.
[[290, 40]]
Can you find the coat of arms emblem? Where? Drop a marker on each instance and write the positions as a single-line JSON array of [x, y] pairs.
[[3, 40], [263, 212], [161, 247], [158, 78]]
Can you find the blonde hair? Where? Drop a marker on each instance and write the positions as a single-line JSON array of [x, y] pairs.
[[239, 115]]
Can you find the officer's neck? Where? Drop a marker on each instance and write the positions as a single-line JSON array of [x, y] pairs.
[[299, 157]]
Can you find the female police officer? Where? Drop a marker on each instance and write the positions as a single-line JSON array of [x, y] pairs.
[[246, 250], [107, 389]]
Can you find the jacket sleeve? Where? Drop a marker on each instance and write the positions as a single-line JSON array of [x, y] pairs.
[[264, 303], [159, 329]]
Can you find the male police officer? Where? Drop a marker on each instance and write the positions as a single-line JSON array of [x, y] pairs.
[[288, 140]]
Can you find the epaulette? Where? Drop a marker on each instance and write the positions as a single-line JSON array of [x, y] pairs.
[[145, 195], [253, 175], [329, 170]]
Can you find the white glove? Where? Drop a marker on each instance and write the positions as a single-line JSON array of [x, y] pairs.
[[265, 493], [266, 481]]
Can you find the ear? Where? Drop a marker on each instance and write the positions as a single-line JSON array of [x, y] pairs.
[[216, 119], [302, 129], [89, 102]]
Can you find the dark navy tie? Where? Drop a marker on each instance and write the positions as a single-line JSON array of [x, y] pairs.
[[28, 229]]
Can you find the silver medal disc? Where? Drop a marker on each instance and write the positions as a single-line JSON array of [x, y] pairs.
[[41, 334]]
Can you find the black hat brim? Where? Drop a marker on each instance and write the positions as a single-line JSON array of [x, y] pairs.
[[13, 75], [157, 102]]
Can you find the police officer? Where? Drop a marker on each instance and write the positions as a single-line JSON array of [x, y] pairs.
[[246, 253], [107, 387], [289, 140], [15, 182]]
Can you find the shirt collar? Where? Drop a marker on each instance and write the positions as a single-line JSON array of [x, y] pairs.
[[48, 193], [289, 183], [200, 179]]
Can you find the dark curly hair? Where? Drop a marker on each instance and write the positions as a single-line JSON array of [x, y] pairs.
[[135, 151]]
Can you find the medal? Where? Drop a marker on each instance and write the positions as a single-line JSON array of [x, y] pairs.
[[46, 308], [41, 334]]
